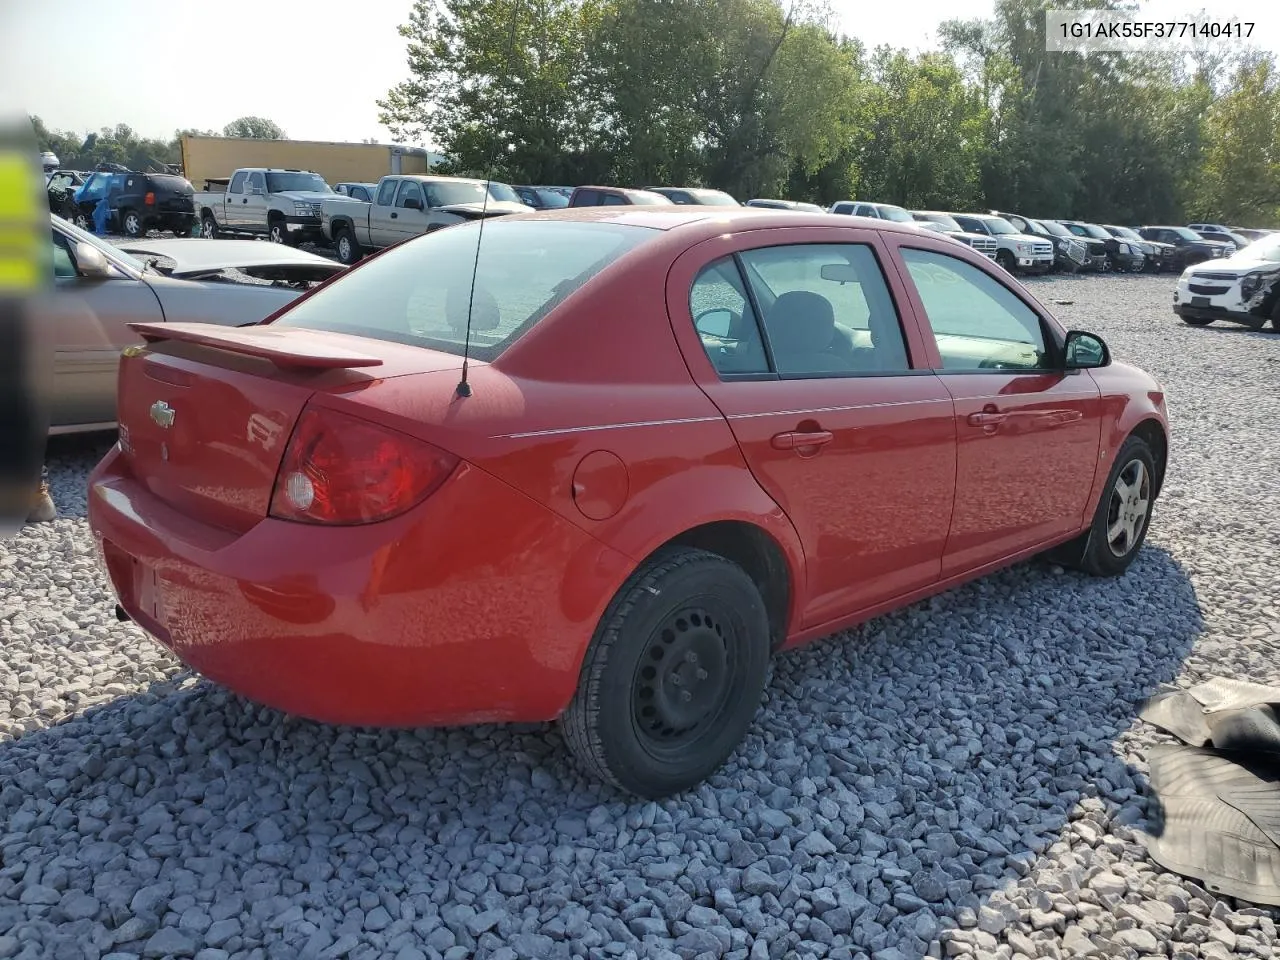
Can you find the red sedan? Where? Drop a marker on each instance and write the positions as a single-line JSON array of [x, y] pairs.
[[684, 439]]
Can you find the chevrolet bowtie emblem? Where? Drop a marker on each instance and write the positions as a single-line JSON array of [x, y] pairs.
[[163, 414]]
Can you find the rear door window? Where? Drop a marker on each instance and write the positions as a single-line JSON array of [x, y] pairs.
[[386, 192], [613, 200], [826, 310], [237, 182]]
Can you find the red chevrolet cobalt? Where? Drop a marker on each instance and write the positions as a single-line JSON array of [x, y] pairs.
[[648, 450]]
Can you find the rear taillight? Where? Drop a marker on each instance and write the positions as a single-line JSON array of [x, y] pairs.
[[149, 199], [339, 469]]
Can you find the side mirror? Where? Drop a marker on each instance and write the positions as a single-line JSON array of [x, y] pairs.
[[412, 203], [1086, 351], [90, 262], [714, 323]]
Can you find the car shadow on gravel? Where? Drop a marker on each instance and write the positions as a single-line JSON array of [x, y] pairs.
[[897, 776]]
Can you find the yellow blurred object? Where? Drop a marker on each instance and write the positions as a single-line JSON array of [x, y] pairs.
[[26, 351], [22, 215]]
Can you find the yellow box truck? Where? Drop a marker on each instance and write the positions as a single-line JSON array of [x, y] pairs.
[[215, 158]]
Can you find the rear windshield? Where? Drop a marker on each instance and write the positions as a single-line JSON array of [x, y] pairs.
[[715, 198], [896, 214], [417, 293], [644, 198], [552, 199], [170, 182], [944, 221]]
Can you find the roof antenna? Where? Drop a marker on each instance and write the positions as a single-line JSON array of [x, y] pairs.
[[463, 389]]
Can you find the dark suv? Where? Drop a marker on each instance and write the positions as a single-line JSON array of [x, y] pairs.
[[1189, 246], [139, 202]]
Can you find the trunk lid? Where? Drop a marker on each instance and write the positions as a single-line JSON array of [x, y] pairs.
[[206, 412]]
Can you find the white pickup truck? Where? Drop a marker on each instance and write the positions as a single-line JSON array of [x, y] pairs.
[[282, 205], [408, 206]]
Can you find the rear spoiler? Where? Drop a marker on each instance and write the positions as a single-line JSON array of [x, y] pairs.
[[289, 352]]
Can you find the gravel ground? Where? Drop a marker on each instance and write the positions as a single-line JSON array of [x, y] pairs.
[[965, 777]]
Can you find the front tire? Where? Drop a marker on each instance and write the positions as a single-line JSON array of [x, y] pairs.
[[1122, 518], [673, 676], [278, 232], [1006, 260]]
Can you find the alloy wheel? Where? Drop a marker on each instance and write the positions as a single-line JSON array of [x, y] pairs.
[[1128, 508]]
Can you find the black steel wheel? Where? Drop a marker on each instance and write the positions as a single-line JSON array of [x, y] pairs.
[[673, 676]]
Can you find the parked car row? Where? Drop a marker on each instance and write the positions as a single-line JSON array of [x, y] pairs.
[[355, 218]]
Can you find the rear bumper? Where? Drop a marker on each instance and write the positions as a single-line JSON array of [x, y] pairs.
[[476, 606]]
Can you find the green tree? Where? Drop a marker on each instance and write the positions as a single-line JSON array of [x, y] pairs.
[[255, 128], [500, 83], [924, 128], [1241, 176]]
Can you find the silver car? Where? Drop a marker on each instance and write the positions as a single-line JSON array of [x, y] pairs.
[[100, 288]]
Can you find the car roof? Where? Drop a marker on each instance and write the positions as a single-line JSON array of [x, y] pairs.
[[710, 220]]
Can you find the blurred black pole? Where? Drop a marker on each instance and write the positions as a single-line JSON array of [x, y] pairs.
[[26, 342]]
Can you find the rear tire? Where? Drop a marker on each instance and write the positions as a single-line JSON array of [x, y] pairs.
[[673, 676], [1122, 518], [131, 224], [208, 227], [344, 244]]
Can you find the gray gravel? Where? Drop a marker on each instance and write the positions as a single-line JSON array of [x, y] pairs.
[[965, 777]]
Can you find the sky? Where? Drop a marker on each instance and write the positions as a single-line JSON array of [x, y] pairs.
[[315, 67]]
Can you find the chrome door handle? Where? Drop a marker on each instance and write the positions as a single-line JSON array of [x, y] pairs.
[[800, 439], [987, 418]]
